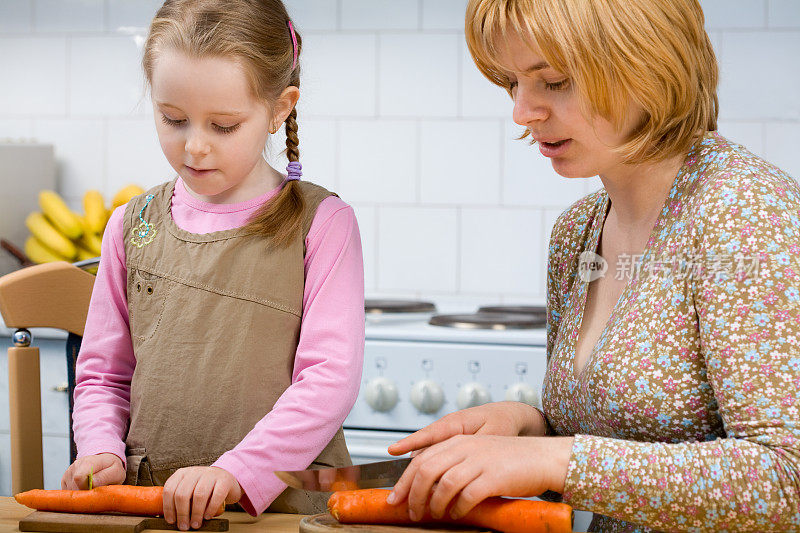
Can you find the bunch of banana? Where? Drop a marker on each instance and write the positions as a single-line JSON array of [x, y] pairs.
[[60, 234]]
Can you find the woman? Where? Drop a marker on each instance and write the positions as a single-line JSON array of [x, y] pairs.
[[671, 396]]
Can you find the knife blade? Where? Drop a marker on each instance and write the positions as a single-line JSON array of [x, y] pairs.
[[363, 476]]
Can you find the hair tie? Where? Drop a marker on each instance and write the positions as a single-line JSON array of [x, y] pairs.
[[294, 44], [294, 171]]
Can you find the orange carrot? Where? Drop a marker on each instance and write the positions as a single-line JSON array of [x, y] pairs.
[[126, 499], [368, 506], [343, 484]]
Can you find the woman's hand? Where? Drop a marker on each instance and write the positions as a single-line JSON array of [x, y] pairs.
[[497, 418], [106, 469], [197, 492], [465, 470]]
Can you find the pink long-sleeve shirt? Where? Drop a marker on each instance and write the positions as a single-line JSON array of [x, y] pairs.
[[327, 365]]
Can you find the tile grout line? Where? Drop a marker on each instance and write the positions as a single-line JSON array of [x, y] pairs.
[[67, 76], [376, 243], [502, 164], [377, 110], [418, 149], [459, 248]]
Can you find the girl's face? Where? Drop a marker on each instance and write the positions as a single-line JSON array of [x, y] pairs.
[[547, 104], [211, 128]]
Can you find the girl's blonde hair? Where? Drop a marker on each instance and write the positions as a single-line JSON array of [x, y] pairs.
[[654, 52], [255, 33]]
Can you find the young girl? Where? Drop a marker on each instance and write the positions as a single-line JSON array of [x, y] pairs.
[[225, 333]]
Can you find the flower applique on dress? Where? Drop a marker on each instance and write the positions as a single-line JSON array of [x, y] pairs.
[[144, 233]]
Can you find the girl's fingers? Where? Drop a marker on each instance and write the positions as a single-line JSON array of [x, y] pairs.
[[169, 496], [79, 480], [218, 496], [66, 477], [183, 500], [200, 496], [106, 476], [450, 484]]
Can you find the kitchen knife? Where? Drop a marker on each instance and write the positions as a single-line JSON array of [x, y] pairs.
[[363, 476]]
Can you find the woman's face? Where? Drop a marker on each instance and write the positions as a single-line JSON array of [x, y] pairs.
[[211, 128], [547, 105]]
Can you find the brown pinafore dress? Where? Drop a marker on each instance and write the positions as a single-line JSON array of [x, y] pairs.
[[215, 323]]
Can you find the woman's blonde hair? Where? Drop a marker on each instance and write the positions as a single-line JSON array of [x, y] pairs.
[[255, 33], [654, 52]]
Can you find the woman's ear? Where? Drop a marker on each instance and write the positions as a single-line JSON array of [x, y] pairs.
[[284, 104]]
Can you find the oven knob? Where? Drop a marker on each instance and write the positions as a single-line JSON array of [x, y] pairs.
[[427, 396], [381, 394], [471, 395], [522, 392]]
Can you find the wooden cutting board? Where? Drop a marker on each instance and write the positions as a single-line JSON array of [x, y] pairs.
[[104, 523], [325, 523]]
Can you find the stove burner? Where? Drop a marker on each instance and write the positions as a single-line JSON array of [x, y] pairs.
[[514, 309], [498, 321], [379, 307]]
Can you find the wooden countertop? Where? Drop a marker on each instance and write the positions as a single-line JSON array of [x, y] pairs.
[[11, 513]]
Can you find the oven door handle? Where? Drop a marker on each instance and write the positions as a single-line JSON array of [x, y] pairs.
[[369, 452]]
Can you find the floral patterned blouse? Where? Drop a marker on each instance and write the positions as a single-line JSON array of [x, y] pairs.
[[687, 414]]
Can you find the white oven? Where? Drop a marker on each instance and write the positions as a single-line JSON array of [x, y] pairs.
[[416, 372]]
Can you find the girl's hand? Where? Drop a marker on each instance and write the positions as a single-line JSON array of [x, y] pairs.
[[106, 469], [197, 492], [496, 418], [465, 470]]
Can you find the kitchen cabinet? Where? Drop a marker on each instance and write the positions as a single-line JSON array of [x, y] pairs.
[[55, 412]]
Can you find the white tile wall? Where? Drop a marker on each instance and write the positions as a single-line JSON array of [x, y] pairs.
[[16, 129], [501, 251], [783, 14], [317, 151], [443, 14], [378, 161], [446, 176], [529, 178], [38, 68], [747, 133], [134, 155], [423, 255], [115, 61], [309, 15], [348, 59], [16, 16], [725, 14], [374, 15], [480, 97], [131, 13], [69, 15], [760, 74], [79, 150], [394, 116], [780, 146], [418, 75], [367, 217]]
